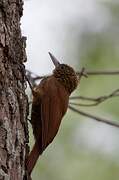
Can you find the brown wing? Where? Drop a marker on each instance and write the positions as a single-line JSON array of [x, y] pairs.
[[36, 114], [45, 118], [51, 119], [54, 105], [47, 112]]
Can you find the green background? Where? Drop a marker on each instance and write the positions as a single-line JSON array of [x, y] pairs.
[[85, 149]]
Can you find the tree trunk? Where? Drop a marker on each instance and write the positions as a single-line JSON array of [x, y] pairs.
[[13, 101]]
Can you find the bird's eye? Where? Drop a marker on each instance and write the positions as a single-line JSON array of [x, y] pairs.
[[62, 67]]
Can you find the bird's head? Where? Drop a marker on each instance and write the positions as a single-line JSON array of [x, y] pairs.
[[65, 74]]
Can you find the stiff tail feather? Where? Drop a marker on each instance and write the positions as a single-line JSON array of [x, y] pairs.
[[32, 158]]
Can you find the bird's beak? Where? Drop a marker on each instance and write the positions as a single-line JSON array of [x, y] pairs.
[[54, 60]]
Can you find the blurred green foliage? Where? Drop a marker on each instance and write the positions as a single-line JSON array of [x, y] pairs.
[[63, 159]]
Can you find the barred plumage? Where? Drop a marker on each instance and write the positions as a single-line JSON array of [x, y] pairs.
[[66, 76]]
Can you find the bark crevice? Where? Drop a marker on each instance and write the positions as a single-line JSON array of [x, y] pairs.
[[13, 100]]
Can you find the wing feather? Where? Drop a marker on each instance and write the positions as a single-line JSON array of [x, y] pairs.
[[49, 105], [45, 118]]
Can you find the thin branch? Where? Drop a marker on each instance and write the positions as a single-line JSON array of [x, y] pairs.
[[82, 98], [33, 78], [40, 77], [104, 72], [96, 101], [106, 121], [86, 105], [82, 73], [87, 73], [37, 77]]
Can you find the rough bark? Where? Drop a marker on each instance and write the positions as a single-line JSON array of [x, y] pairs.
[[13, 101]]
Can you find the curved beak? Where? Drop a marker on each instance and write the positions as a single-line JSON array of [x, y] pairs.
[[54, 60]]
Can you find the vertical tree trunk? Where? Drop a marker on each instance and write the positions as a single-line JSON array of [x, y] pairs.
[[13, 101]]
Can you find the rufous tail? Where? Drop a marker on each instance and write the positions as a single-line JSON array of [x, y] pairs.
[[32, 158]]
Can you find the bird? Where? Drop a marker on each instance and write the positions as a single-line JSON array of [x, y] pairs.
[[49, 105]]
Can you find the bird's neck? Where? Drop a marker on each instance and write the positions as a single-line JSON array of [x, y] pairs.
[[69, 82]]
